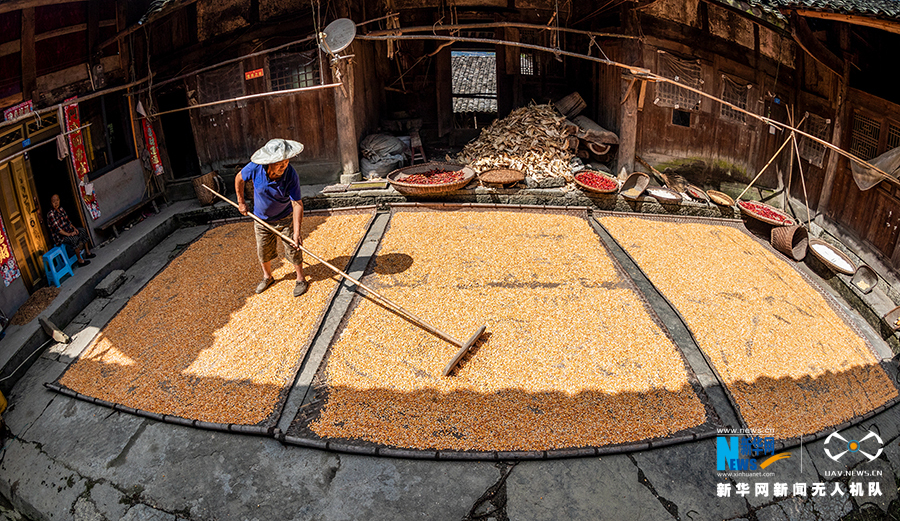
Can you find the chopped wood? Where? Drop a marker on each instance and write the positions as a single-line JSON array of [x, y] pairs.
[[531, 139], [589, 130], [597, 149]]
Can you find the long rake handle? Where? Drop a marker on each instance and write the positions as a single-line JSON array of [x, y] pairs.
[[396, 307]]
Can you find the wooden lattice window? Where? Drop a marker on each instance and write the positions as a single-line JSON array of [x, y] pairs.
[[46, 120], [810, 150], [683, 71], [737, 94], [294, 70], [864, 136], [221, 84], [893, 140]]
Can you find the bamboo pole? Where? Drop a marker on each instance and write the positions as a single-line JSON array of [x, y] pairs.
[[384, 300], [791, 137]]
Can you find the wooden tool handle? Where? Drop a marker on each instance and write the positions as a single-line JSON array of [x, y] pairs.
[[396, 307]]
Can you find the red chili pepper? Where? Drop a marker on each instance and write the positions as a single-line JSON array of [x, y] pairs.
[[764, 211], [594, 180], [434, 177]]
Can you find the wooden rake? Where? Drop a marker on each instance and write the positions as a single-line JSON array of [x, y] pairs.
[[463, 347]]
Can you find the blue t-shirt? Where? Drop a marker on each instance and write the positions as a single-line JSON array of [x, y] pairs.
[[272, 198]]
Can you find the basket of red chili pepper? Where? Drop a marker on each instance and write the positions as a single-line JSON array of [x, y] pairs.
[[430, 178], [596, 182], [765, 213]]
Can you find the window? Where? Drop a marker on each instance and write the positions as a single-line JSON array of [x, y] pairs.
[[526, 63], [108, 141], [294, 70], [681, 118], [864, 136], [683, 71], [810, 150], [737, 94], [221, 84], [893, 140]]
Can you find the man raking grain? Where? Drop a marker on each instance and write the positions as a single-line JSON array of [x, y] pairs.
[[464, 347]]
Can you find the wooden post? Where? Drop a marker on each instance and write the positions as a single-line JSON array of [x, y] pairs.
[[628, 130], [841, 115], [29, 64], [346, 120], [444, 85]]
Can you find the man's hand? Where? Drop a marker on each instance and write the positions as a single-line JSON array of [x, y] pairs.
[[297, 239], [239, 192], [242, 207]]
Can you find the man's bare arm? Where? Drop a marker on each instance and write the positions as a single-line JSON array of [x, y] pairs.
[[239, 191]]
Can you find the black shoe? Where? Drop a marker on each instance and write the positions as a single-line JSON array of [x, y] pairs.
[[84, 263], [88, 256], [300, 288], [264, 284]]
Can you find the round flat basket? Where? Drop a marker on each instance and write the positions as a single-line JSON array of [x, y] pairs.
[[720, 198], [397, 176], [832, 257], [696, 193], [765, 213], [502, 176], [664, 195], [586, 177]]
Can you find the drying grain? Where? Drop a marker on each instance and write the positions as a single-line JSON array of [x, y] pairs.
[[789, 360], [197, 342], [571, 358]]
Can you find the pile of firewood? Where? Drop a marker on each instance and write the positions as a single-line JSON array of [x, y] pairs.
[[539, 140]]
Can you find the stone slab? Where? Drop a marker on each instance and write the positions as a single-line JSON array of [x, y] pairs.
[[589, 488], [88, 437], [147, 513], [110, 283], [91, 310], [686, 475], [108, 500], [29, 397], [214, 475], [47, 490]]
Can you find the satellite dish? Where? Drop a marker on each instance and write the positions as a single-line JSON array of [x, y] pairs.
[[337, 36]]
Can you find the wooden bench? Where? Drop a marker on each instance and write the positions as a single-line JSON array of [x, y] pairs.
[[113, 224]]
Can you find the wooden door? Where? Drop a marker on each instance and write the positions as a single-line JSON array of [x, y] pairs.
[[884, 228], [21, 213]]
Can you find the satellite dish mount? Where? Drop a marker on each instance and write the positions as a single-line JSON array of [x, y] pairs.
[[337, 36]]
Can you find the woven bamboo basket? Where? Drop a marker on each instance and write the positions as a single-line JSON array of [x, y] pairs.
[[746, 210], [791, 241], [634, 185], [892, 317], [697, 193], [834, 267], [720, 198], [501, 177], [865, 279], [397, 176], [589, 188], [212, 180]]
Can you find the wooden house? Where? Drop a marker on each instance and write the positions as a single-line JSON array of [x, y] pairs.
[[218, 78]]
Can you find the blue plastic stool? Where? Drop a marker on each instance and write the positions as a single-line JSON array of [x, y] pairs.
[[57, 263]]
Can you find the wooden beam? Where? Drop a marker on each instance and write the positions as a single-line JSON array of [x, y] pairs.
[[813, 47], [72, 29], [125, 32], [29, 62], [16, 5], [865, 21], [10, 47]]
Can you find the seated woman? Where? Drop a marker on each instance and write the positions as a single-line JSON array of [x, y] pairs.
[[64, 232]]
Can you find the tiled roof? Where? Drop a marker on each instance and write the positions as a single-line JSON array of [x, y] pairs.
[[474, 73], [879, 8]]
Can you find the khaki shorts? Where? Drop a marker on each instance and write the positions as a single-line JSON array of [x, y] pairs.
[[266, 241]]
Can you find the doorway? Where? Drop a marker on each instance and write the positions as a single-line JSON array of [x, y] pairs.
[[20, 210], [52, 177], [178, 136]]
